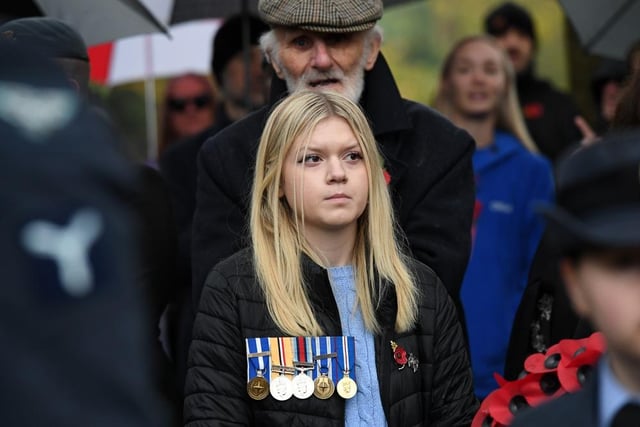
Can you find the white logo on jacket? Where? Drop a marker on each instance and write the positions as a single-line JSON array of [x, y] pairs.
[[68, 247], [501, 206]]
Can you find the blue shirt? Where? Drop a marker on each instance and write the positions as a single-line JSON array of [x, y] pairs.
[[365, 408], [611, 394]]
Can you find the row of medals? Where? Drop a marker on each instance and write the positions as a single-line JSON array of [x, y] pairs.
[[302, 386]]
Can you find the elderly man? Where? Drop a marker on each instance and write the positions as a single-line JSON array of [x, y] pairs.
[[335, 46]]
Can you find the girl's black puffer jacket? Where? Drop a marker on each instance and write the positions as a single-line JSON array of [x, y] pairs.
[[232, 308]]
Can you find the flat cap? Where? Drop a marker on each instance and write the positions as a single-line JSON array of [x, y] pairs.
[[335, 16]]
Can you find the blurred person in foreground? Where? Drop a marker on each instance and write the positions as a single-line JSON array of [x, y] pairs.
[[545, 315], [72, 322], [178, 163], [550, 115], [147, 197], [477, 92], [335, 47], [596, 229]]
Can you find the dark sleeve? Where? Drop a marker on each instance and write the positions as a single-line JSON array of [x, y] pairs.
[[178, 165], [215, 388], [158, 243], [219, 220], [438, 226], [453, 400]]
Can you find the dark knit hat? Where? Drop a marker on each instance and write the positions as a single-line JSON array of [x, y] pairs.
[[52, 37], [507, 16], [336, 16], [228, 41]]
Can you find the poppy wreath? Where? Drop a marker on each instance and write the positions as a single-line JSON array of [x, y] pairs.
[[563, 368]]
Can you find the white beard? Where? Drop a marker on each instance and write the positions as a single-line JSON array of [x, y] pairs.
[[352, 84]]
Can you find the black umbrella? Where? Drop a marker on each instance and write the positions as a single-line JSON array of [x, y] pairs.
[[97, 22], [606, 28]]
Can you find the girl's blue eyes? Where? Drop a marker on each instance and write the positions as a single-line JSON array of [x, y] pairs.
[[314, 158]]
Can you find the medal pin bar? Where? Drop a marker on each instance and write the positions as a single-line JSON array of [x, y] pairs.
[[281, 387], [258, 385], [323, 385], [302, 383], [345, 346]]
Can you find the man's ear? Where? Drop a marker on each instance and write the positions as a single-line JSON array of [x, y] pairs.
[[375, 41], [276, 66], [569, 272]]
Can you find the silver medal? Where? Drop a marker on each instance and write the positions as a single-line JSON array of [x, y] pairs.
[[302, 386], [281, 388]]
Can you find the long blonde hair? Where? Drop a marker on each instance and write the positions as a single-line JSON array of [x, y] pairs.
[[509, 116], [277, 237]]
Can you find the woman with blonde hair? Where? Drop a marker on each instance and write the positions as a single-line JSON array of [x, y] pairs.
[[325, 261], [477, 92]]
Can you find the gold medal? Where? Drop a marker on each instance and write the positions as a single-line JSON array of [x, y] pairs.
[[346, 387], [258, 387], [323, 387]]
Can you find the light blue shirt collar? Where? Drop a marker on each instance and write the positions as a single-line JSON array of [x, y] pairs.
[[611, 394]]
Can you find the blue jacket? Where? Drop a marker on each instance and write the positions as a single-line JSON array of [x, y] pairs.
[[509, 180]]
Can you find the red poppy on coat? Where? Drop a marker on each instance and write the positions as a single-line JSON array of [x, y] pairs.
[[533, 110], [387, 177]]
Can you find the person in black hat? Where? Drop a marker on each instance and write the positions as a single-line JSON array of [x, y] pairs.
[[148, 199], [56, 40], [72, 322], [178, 162], [550, 114], [596, 228]]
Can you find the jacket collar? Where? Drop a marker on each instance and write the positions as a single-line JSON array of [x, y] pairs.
[[321, 294]]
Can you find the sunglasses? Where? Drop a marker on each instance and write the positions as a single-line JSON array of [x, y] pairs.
[[181, 104]]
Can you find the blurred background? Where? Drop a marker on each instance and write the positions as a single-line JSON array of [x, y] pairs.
[[417, 35]]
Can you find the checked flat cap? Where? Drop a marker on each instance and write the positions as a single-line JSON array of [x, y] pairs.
[[325, 16]]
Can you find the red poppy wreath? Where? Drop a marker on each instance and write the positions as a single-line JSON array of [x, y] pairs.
[[563, 368]]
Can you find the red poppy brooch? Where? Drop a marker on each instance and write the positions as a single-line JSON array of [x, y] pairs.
[[404, 359]]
